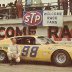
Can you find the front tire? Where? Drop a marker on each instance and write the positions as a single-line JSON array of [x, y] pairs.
[[3, 56], [61, 58]]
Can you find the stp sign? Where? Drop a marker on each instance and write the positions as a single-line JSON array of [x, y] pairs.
[[32, 18]]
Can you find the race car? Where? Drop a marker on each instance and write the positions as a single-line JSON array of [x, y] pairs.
[[38, 48]]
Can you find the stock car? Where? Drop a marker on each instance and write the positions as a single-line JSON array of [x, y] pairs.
[[38, 48]]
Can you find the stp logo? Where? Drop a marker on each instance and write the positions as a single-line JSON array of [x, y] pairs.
[[32, 18]]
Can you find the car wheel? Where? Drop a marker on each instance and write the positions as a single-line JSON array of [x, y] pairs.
[[61, 58], [3, 56]]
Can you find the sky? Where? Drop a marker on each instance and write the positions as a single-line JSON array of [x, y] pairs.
[[7, 1]]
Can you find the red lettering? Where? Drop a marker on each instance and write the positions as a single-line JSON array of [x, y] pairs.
[[59, 33]]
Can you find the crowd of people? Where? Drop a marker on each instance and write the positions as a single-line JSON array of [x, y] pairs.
[[11, 10], [15, 10], [65, 4]]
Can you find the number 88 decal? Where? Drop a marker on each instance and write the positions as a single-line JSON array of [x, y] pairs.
[[33, 52]]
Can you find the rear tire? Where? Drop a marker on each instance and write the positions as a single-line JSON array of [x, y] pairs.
[[3, 56], [61, 58]]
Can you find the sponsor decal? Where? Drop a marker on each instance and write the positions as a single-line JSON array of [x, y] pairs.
[[33, 52]]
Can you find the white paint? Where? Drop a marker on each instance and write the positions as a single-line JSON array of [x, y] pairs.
[[42, 31]]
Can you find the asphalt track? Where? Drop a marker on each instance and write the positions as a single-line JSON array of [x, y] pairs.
[[33, 67]]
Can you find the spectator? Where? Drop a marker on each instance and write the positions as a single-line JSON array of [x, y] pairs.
[[12, 12], [10, 4], [70, 4], [3, 11], [15, 3], [16, 8], [19, 8], [3, 5], [48, 7], [0, 11], [64, 5], [0, 5]]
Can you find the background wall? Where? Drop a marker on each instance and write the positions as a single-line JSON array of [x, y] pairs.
[[55, 33]]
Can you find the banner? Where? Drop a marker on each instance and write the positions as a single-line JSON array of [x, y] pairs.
[[53, 18]]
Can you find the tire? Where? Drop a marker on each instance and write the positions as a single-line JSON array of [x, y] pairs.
[[61, 58], [3, 56]]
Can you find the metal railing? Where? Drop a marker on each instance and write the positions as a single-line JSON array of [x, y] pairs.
[[11, 13]]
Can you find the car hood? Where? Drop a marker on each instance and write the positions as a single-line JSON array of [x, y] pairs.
[[62, 45]]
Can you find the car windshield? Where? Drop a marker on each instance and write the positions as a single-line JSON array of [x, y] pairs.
[[45, 40]]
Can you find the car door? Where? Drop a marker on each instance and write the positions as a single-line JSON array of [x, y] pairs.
[[30, 49], [27, 47]]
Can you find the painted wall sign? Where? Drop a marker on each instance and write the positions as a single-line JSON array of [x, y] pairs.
[[10, 31], [55, 33], [60, 34]]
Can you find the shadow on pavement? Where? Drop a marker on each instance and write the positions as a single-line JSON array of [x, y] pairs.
[[34, 63]]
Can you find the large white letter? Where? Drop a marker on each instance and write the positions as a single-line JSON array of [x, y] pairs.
[[37, 18]]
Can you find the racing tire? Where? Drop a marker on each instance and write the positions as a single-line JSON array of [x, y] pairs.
[[61, 58], [3, 56]]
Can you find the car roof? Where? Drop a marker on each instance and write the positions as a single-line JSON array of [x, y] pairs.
[[24, 36]]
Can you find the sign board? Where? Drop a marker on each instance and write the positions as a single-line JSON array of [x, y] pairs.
[[32, 18], [55, 33], [53, 18]]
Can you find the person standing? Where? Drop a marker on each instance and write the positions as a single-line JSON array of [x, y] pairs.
[[48, 7], [19, 8], [63, 4], [13, 52], [12, 12], [15, 3], [70, 5]]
